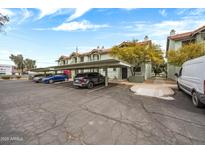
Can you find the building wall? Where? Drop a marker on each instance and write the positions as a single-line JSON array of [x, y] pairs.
[[148, 71], [171, 45], [86, 58], [113, 73], [178, 44], [171, 70], [174, 45], [106, 56], [6, 69]]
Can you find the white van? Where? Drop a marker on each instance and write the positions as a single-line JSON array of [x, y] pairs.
[[191, 79]]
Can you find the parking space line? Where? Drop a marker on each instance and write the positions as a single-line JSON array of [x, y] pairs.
[[96, 89]]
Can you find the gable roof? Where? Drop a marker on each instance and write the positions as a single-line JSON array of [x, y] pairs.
[[127, 43], [180, 36], [102, 51], [186, 35]]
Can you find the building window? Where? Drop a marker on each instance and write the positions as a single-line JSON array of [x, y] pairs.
[[81, 59], [63, 62], [114, 69], [95, 57], [74, 59], [104, 69], [137, 69]]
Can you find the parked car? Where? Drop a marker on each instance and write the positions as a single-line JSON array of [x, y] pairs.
[[88, 79], [191, 79], [38, 78], [54, 78]]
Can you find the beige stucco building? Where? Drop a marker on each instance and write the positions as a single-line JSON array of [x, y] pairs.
[[99, 54], [175, 41]]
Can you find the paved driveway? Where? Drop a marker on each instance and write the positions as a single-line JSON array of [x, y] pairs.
[[59, 114]]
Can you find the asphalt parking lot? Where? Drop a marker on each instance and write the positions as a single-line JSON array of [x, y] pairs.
[[33, 113]]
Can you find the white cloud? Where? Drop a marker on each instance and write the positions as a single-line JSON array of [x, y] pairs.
[[191, 12], [25, 14], [41, 29], [17, 16], [197, 12], [47, 11], [6, 12], [181, 11], [83, 25], [160, 31], [78, 13], [163, 12], [129, 9]]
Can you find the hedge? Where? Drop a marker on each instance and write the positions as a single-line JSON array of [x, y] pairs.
[[18, 76], [6, 77]]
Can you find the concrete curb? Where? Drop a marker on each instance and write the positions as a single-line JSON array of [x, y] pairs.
[[161, 91]]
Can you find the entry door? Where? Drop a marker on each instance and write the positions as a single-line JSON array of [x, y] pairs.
[[124, 72]]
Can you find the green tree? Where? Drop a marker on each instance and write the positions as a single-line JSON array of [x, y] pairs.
[[18, 61], [3, 20], [29, 64], [22, 64], [137, 54], [186, 52]]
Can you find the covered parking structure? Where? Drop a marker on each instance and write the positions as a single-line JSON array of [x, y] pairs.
[[105, 64]]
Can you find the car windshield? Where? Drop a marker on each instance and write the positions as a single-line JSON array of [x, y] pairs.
[[38, 75], [81, 75]]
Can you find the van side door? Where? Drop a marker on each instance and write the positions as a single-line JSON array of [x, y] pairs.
[[180, 78]]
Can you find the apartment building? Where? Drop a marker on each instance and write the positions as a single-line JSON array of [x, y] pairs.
[[100, 54], [175, 41]]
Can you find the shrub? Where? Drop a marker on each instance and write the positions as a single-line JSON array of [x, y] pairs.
[[18, 76], [6, 77]]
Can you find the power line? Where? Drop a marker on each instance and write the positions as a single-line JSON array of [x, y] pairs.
[[36, 61]]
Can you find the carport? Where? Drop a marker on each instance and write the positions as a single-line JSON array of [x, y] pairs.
[[105, 64]]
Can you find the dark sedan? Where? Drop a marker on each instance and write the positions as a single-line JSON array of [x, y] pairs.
[[88, 79]]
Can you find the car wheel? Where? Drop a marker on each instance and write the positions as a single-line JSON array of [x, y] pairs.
[[90, 85], [50, 81], [196, 101]]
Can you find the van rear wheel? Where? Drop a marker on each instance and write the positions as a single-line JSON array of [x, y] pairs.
[[195, 100]]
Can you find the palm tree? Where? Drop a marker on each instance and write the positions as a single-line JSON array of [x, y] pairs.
[[3, 20]]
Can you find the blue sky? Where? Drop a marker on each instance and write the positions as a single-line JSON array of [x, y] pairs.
[[45, 34]]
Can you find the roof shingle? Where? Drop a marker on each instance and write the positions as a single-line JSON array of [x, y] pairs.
[[186, 35], [101, 51]]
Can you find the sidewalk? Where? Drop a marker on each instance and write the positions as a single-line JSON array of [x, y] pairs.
[[157, 87]]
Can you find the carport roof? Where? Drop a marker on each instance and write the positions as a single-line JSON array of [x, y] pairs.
[[85, 65]]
